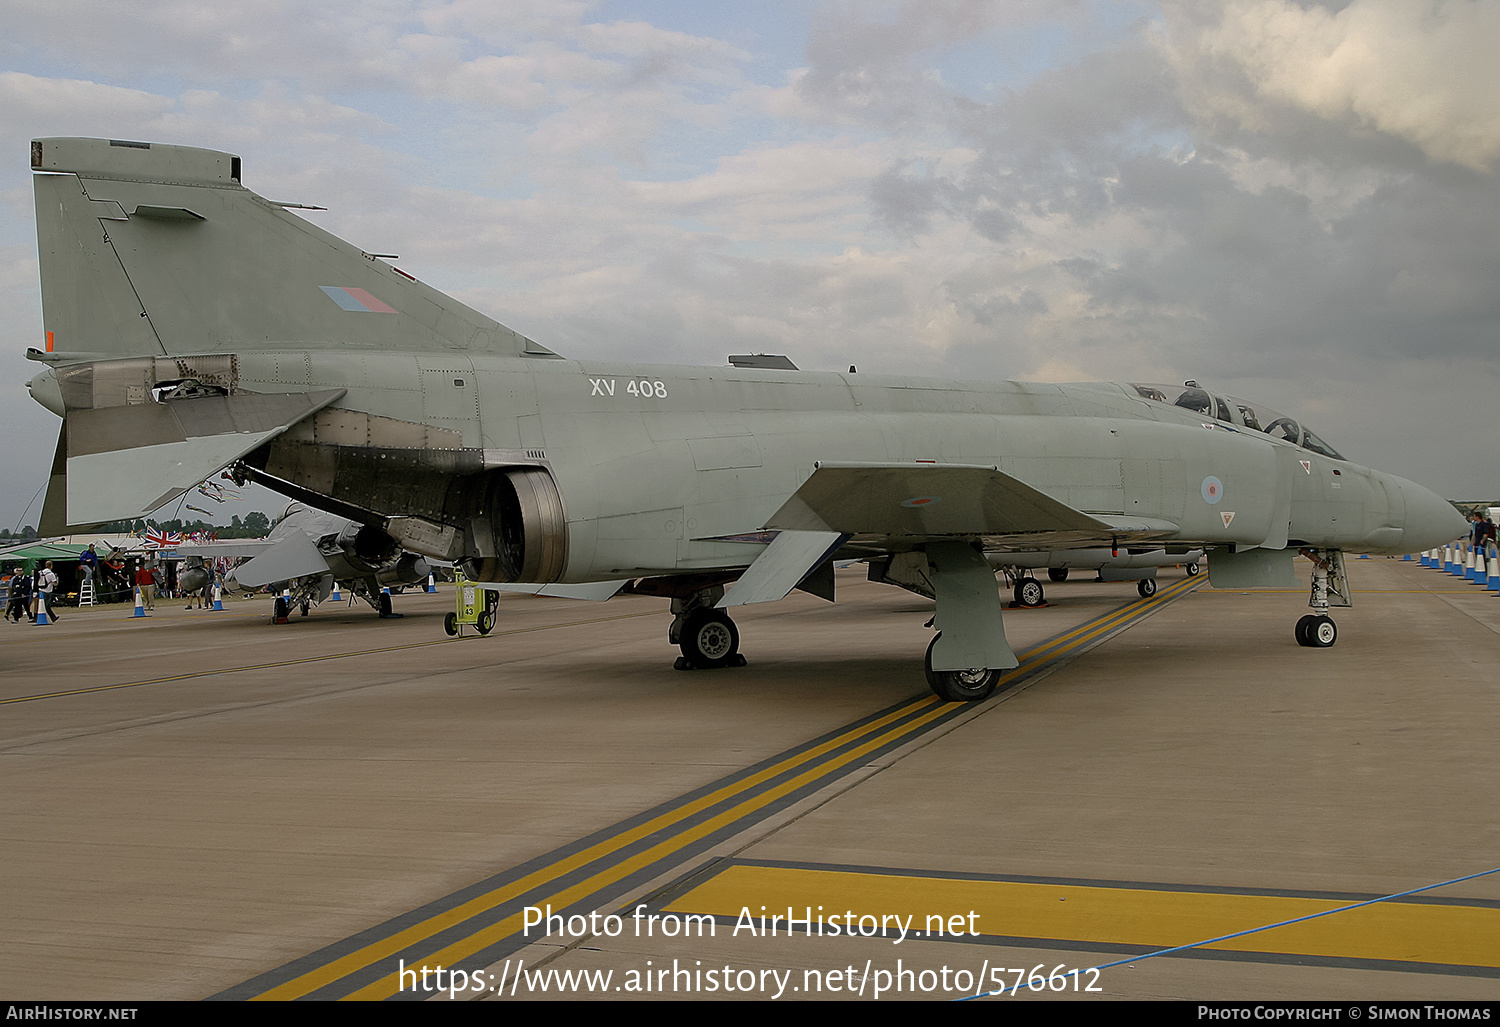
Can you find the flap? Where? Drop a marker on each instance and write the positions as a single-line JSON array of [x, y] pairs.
[[786, 561]]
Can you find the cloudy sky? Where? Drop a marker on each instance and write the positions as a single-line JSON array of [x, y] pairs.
[[1297, 202]]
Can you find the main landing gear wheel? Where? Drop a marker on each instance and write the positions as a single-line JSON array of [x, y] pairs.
[[709, 639], [306, 609], [279, 611], [1029, 592], [385, 604], [1146, 587], [1057, 573], [1316, 632], [959, 685], [1192, 570], [450, 624], [486, 622]]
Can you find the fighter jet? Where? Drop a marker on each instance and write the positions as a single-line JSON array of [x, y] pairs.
[[306, 553], [193, 325]]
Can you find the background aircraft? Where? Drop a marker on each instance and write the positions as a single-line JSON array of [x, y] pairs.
[[193, 325], [306, 552], [1109, 564]]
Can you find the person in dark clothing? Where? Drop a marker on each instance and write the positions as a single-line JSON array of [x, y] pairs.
[[20, 596]]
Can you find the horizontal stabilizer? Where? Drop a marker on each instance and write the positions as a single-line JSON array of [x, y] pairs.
[[790, 557], [55, 504], [928, 500], [228, 548], [126, 461], [595, 591], [293, 557]]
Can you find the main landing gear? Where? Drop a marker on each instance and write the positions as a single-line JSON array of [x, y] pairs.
[[1028, 592], [959, 685], [1329, 588], [707, 637], [966, 658]]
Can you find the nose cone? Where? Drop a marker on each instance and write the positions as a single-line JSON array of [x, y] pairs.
[[1431, 520]]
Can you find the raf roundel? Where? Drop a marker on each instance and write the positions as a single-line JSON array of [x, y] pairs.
[[1213, 489]]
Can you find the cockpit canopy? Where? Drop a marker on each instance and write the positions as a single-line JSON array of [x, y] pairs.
[[1238, 412]]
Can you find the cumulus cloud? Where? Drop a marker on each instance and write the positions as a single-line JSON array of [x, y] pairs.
[[1294, 200], [1423, 71]]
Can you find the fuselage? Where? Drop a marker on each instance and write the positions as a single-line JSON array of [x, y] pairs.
[[655, 464]]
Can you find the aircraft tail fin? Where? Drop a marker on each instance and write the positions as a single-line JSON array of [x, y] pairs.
[[155, 250]]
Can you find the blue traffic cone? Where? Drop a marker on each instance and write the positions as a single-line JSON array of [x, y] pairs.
[[218, 600], [140, 608], [431, 584]]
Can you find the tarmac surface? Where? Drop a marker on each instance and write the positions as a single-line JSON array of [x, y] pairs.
[[201, 804]]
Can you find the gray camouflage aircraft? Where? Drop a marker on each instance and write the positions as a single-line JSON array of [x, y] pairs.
[[306, 552], [192, 325]]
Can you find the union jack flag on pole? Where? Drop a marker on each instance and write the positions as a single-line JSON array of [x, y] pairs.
[[158, 539]]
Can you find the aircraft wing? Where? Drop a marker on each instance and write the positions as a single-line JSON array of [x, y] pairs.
[[914, 502], [884, 507]]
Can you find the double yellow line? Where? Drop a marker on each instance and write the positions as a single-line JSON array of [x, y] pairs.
[[745, 797]]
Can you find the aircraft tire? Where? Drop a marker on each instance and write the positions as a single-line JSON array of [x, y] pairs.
[[1303, 630], [385, 604], [1057, 573], [1192, 570], [1322, 632], [486, 622], [450, 624], [1029, 592], [959, 685], [306, 609], [279, 611], [1146, 587], [709, 639]]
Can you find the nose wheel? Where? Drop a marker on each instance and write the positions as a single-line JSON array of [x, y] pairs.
[[1317, 631]]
